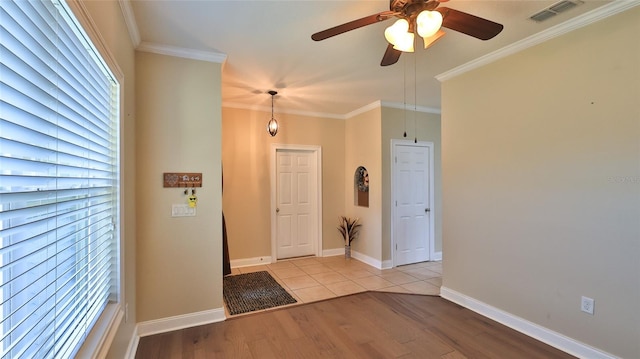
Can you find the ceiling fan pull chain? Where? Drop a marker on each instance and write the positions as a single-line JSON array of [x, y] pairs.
[[404, 95], [415, 99]]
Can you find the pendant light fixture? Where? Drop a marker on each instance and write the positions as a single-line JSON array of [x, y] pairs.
[[272, 126]]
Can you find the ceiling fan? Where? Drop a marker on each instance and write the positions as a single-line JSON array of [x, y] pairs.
[[417, 17]]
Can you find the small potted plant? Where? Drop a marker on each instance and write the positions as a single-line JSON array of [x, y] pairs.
[[349, 228]]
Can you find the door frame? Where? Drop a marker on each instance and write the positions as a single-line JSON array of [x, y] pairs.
[[394, 194], [317, 152]]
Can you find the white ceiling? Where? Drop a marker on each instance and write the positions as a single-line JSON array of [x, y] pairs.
[[268, 45]]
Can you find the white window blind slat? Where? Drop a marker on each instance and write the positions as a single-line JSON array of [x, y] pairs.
[[74, 144], [34, 33], [23, 96], [70, 105], [58, 181], [48, 18]]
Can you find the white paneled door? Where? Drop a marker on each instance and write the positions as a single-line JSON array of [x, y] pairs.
[[412, 214], [296, 203]]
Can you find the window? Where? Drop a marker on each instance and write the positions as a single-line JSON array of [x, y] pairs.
[[59, 181]]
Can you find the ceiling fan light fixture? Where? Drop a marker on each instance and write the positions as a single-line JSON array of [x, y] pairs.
[[399, 36], [396, 31], [428, 23], [405, 42]]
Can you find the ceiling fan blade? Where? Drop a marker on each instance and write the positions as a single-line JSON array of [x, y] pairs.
[[391, 56], [351, 25], [471, 25]]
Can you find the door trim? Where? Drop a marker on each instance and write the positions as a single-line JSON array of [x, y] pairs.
[[315, 150], [394, 195]]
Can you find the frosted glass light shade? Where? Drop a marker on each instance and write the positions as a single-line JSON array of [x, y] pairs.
[[399, 36], [405, 42], [428, 23], [395, 31]]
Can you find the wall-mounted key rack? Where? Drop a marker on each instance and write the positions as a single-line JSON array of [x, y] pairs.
[[182, 179]]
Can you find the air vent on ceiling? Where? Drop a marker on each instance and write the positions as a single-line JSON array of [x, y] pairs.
[[554, 10]]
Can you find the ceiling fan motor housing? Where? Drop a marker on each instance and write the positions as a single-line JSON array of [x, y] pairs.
[[411, 8]]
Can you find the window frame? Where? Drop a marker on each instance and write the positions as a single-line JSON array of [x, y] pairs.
[[99, 340]]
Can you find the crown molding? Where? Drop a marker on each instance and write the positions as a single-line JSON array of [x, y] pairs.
[[613, 8], [356, 112], [281, 110], [138, 44], [130, 21], [210, 56], [409, 107], [363, 109]]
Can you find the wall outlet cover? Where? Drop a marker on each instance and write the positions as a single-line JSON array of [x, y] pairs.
[[587, 304]]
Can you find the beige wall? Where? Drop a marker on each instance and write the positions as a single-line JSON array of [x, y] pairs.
[[541, 184], [427, 128], [362, 148], [346, 144], [247, 187], [109, 21], [179, 267]]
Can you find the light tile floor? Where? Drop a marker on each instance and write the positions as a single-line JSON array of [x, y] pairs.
[[311, 279]]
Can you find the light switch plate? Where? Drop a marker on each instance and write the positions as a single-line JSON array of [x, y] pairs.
[[182, 210]]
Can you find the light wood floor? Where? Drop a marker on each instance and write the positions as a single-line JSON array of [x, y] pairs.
[[363, 325]]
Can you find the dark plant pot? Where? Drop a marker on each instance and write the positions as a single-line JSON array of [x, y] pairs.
[[347, 252]]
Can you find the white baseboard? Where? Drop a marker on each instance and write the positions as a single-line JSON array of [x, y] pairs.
[[133, 345], [180, 322], [524, 326], [246, 262], [386, 264], [333, 252], [437, 256], [366, 259]]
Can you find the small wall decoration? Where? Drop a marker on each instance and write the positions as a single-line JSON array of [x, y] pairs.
[[181, 179], [361, 187], [362, 179]]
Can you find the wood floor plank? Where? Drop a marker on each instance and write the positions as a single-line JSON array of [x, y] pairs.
[[363, 325], [453, 355], [428, 346]]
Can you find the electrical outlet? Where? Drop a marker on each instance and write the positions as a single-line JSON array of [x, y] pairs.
[[587, 304]]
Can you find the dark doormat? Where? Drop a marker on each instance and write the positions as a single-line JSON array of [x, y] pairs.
[[249, 292]]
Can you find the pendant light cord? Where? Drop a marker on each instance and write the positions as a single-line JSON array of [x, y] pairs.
[[273, 94], [415, 98]]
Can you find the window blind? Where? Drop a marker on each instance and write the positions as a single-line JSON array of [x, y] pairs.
[[59, 160]]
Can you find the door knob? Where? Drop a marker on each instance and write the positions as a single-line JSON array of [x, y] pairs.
[[427, 210], [277, 210]]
